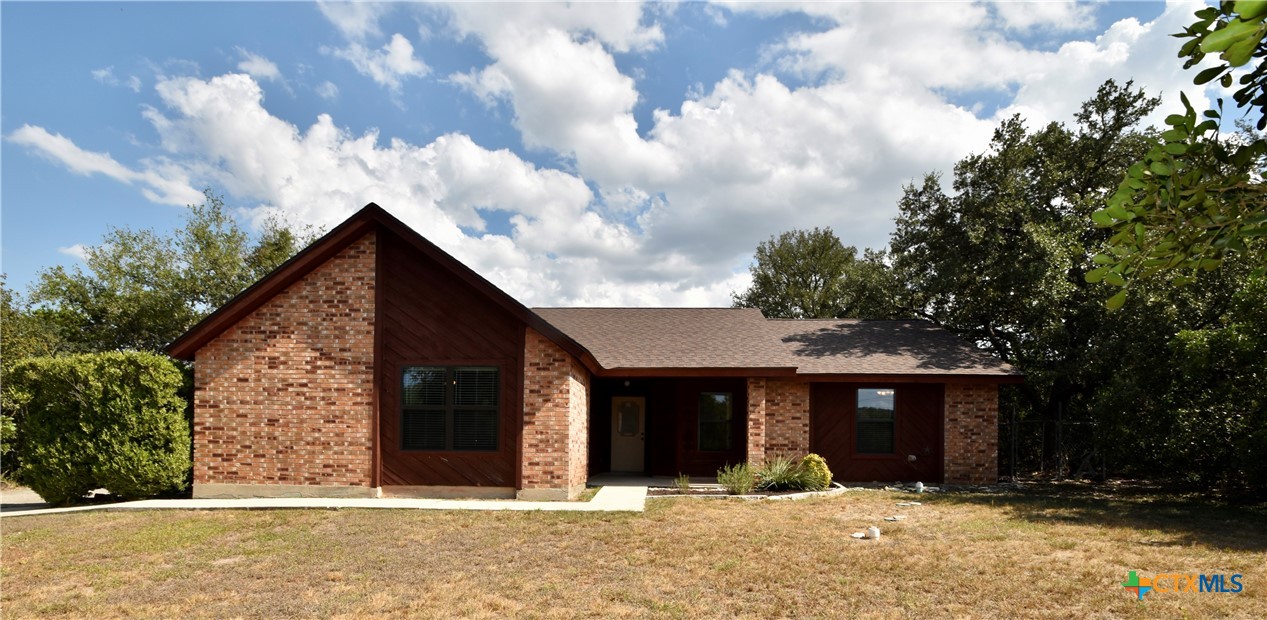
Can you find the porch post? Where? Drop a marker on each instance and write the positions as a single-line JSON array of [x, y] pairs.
[[756, 421]]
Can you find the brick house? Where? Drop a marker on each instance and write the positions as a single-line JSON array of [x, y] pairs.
[[374, 363]]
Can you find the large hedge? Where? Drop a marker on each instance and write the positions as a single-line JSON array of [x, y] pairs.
[[112, 420]]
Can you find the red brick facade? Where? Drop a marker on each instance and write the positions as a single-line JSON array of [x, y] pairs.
[[756, 421], [556, 421], [972, 433], [286, 395], [787, 418]]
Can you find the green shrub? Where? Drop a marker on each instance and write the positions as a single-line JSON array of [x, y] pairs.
[[817, 476], [782, 473], [737, 479], [683, 483], [113, 420]]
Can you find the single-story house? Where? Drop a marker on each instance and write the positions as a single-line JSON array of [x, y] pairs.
[[375, 363]]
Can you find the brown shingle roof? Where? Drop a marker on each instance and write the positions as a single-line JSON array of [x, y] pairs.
[[658, 338], [646, 338], [850, 346]]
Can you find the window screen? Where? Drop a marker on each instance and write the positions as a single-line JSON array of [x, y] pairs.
[[714, 421], [875, 421], [449, 408]]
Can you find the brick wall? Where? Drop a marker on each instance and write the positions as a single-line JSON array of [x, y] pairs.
[[756, 421], [972, 433], [787, 418], [578, 424], [285, 396], [556, 421]]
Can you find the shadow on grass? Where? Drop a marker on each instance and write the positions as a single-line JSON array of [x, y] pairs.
[[1140, 511]]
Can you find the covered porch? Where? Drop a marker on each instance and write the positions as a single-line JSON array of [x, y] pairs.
[[694, 425]]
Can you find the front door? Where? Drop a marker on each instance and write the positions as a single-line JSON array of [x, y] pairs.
[[628, 433]]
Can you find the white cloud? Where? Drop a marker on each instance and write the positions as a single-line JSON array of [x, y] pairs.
[[159, 180], [106, 76], [355, 20], [670, 214], [77, 250], [258, 66], [1053, 15], [560, 249], [554, 63], [328, 91], [1055, 87], [389, 65]]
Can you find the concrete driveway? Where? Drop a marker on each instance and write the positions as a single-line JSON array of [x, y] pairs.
[[20, 499]]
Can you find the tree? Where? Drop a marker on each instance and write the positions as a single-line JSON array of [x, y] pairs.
[[810, 274], [141, 289], [1000, 261], [1196, 198]]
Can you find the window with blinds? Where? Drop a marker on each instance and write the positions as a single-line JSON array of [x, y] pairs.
[[876, 421], [714, 421], [449, 408]]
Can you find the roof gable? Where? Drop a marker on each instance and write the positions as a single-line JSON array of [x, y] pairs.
[[371, 218]]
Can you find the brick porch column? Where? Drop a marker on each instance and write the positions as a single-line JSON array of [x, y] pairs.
[[756, 421], [556, 422], [972, 434], [787, 418]]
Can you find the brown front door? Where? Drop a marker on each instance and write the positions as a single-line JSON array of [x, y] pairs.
[[880, 433]]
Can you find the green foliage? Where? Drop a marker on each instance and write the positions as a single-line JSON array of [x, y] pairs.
[[141, 289], [811, 274], [781, 473], [1000, 261], [1197, 198], [22, 335], [1217, 397], [113, 420], [737, 479], [682, 483], [815, 474]]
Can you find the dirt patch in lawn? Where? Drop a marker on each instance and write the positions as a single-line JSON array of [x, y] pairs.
[[1013, 554]]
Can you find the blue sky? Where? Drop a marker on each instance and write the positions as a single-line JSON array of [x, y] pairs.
[[600, 154]]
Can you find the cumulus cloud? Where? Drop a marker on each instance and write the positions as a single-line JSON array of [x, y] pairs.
[[1053, 15], [560, 249], [666, 214], [388, 65]]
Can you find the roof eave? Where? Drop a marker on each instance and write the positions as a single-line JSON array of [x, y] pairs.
[[698, 371]]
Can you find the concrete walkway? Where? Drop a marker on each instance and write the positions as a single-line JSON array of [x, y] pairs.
[[608, 499]]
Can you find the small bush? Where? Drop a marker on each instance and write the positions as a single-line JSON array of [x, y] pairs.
[[113, 420], [781, 473], [683, 483], [737, 479], [817, 476]]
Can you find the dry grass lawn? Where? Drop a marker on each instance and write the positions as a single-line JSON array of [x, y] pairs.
[[1023, 555]]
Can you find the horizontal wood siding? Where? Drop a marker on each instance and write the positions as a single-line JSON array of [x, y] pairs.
[[918, 431], [432, 317]]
